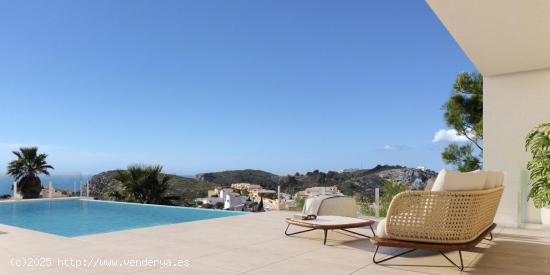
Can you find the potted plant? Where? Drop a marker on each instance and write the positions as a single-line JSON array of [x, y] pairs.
[[538, 144]]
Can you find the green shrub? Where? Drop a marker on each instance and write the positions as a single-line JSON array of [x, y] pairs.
[[300, 200], [272, 196], [365, 209], [219, 205], [389, 190]]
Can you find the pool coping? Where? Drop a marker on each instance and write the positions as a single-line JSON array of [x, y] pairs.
[[41, 199], [121, 202]]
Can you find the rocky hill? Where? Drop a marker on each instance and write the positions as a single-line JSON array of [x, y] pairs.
[[362, 182], [226, 178]]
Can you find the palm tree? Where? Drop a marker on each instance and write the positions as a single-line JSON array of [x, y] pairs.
[[144, 184], [26, 170]]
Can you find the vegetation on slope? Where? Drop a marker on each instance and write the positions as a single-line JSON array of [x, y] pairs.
[[355, 183], [359, 183], [226, 178], [180, 191]]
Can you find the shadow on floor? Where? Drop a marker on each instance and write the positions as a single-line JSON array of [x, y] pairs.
[[520, 237], [513, 257], [506, 254]]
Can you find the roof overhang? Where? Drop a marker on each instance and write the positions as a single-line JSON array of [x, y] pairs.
[[499, 36]]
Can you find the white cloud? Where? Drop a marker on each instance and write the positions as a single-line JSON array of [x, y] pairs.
[[394, 148], [448, 135], [389, 148]]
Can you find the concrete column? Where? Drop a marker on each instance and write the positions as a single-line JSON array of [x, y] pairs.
[[278, 197], [377, 202], [14, 197], [50, 190]]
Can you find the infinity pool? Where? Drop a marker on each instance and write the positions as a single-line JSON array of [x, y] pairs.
[[78, 217]]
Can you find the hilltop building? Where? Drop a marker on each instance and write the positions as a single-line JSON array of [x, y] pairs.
[[245, 186], [320, 190]]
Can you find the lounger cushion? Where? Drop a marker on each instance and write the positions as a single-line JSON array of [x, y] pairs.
[[338, 206], [452, 181], [381, 229]]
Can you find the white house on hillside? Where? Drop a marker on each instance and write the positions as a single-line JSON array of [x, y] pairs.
[[227, 196]]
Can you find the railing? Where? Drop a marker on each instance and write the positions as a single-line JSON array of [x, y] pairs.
[[53, 186], [371, 207], [369, 203]]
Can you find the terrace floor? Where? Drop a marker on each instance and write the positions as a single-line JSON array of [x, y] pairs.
[[253, 244]]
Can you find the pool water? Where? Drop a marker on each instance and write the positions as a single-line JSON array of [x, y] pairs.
[[78, 217]]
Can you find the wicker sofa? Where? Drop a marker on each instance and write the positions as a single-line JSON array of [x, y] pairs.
[[442, 221]]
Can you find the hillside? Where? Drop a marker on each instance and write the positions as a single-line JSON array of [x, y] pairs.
[[226, 178], [350, 183], [362, 182], [182, 190]]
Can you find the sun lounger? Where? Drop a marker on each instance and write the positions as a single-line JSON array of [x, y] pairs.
[[326, 223]]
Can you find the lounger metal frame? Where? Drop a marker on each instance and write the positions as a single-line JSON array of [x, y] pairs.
[[326, 232]]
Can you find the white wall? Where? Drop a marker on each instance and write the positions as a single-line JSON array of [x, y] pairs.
[[513, 104]]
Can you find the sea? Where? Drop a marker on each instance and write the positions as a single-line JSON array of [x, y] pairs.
[[70, 183]]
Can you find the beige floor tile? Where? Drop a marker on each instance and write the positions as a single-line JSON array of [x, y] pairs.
[[13, 264], [373, 269], [241, 260], [193, 269], [427, 262], [513, 257], [543, 233], [255, 244], [299, 265]]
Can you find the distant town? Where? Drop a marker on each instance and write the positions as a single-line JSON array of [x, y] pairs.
[[251, 197]]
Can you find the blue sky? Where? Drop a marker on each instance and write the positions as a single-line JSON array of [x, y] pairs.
[[199, 86]]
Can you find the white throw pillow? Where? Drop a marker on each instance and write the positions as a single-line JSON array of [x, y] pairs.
[[381, 229], [494, 179], [452, 181]]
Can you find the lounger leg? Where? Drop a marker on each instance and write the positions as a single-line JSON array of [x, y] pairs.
[[294, 233], [359, 234], [461, 267], [325, 241], [490, 236], [389, 258]]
